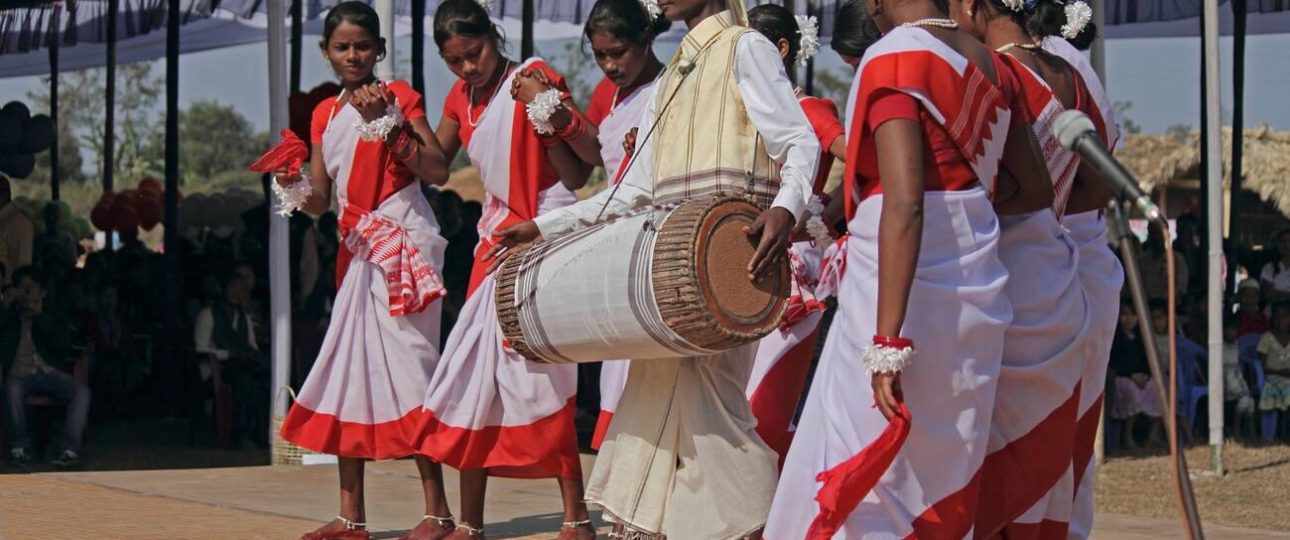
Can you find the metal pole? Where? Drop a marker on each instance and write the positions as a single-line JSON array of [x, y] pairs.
[[1238, 129], [419, 46], [1097, 51], [171, 283], [109, 98], [54, 38], [279, 242], [385, 11], [526, 30], [1214, 197], [297, 42]]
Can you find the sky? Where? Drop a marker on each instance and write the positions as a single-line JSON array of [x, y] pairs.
[[1160, 76]]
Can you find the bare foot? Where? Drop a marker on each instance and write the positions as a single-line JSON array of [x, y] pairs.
[[584, 532], [335, 529], [430, 529]]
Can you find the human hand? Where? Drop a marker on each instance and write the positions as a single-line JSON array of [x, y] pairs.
[[887, 394], [284, 176], [528, 84], [372, 100], [629, 141], [507, 238], [773, 228]]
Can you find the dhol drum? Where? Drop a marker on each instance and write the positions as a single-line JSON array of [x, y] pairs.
[[666, 282]]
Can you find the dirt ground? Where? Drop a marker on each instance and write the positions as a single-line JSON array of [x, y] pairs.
[[1254, 493]]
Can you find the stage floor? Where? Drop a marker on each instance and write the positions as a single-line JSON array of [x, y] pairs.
[[282, 502]]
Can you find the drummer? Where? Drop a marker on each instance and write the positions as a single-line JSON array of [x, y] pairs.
[[682, 458]]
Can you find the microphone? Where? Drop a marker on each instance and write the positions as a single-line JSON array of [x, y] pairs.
[[1075, 131]]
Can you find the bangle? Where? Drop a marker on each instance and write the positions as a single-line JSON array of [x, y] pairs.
[[293, 196], [381, 127], [574, 130], [404, 146], [815, 226], [888, 355], [541, 109]]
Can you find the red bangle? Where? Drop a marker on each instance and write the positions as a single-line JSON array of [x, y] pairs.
[[893, 342], [574, 129]]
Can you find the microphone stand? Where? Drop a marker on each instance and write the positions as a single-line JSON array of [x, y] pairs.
[[1121, 235]]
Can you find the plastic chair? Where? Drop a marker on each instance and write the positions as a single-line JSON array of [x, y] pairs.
[[1191, 389]]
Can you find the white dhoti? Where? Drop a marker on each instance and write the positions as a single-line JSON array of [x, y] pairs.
[[957, 316], [682, 457]]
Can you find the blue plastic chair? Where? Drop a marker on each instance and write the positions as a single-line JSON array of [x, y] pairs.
[[1191, 389]]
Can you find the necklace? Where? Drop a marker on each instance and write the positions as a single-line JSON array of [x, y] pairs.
[[470, 96], [941, 23], [1032, 48]]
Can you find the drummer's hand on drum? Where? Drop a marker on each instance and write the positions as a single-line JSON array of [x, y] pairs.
[[509, 237], [887, 395], [774, 227]]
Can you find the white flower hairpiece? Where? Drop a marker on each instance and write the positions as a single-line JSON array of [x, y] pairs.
[[809, 30], [1015, 5], [486, 4], [652, 8], [1078, 14]]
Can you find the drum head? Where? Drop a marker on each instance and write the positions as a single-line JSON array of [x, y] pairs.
[[701, 280], [723, 251]]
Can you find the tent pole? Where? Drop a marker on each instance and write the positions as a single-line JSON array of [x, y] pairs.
[[279, 241], [54, 39], [526, 29], [109, 97], [1239, 17], [419, 46], [297, 42], [1214, 218], [171, 283]]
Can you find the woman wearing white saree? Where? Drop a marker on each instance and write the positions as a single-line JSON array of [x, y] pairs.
[[922, 309]]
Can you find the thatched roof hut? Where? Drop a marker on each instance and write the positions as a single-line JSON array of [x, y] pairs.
[[1174, 161]]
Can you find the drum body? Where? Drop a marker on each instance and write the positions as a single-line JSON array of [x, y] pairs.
[[666, 282]]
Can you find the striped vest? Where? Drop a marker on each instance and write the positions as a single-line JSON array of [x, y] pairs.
[[705, 143]]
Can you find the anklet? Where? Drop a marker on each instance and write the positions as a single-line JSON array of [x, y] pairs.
[[575, 524], [442, 521], [471, 531], [352, 525]]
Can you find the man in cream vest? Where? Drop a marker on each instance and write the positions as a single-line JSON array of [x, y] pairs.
[[682, 457]]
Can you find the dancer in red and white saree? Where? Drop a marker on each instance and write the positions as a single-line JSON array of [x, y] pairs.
[[487, 411], [362, 398], [1102, 278], [932, 120], [621, 34], [784, 356]]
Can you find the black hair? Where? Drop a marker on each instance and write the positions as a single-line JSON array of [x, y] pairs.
[[1039, 18], [776, 22], [1276, 308], [355, 13], [854, 30], [1157, 304], [626, 20], [1085, 38], [463, 18]]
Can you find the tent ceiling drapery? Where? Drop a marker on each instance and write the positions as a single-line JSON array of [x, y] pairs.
[[212, 24]]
